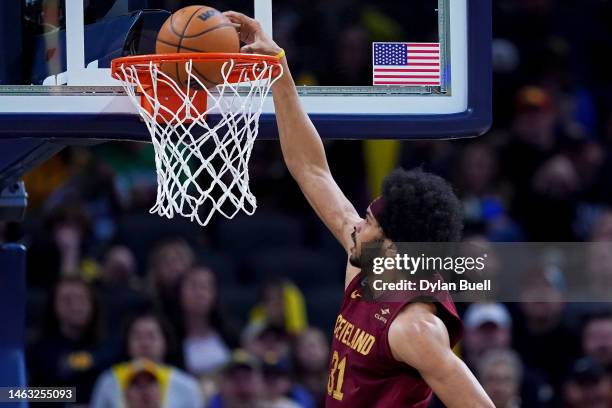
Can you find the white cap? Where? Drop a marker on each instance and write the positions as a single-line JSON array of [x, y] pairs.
[[480, 313]]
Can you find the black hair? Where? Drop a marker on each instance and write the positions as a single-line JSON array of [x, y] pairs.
[[217, 317], [92, 334], [420, 207]]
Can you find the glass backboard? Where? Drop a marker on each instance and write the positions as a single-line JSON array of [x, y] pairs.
[[55, 81]]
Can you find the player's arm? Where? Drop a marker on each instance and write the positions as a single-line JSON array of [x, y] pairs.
[[420, 339], [300, 142]]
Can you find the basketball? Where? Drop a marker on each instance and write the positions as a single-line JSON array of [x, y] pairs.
[[197, 29]]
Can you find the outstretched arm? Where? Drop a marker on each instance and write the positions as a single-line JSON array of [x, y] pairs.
[[419, 338], [300, 142]]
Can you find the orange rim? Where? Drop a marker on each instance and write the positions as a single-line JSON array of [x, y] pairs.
[[141, 62]]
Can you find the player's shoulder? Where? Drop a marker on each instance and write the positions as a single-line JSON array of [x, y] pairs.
[[419, 323], [415, 318]]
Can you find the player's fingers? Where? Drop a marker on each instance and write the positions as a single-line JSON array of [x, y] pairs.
[[237, 27], [248, 49], [239, 18], [245, 21], [233, 15], [256, 47], [260, 47], [247, 27]]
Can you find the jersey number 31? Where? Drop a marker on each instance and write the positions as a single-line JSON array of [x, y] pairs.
[[337, 367]]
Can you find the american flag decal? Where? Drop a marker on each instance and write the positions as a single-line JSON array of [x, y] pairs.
[[410, 64]]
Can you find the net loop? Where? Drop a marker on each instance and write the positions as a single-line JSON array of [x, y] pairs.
[[202, 136]]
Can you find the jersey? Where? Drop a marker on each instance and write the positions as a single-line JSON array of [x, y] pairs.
[[362, 371]]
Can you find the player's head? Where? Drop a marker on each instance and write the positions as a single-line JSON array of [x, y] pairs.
[[415, 206]]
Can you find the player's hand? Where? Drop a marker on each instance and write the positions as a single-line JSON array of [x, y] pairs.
[[255, 39]]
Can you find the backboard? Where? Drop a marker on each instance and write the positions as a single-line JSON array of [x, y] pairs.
[[56, 88], [55, 81]]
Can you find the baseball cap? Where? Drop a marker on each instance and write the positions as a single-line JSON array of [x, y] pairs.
[[140, 367], [273, 364], [241, 359], [480, 313], [533, 98]]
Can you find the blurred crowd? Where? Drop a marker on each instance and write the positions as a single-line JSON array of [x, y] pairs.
[[130, 307]]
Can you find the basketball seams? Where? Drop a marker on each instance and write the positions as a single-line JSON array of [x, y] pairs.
[[208, 30], [210, 38], [171, 44], [184, 46], [202, 76], [172, 25], [178, 49], [174, 31]]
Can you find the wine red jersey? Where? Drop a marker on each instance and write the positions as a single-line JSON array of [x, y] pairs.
[[362, 371]]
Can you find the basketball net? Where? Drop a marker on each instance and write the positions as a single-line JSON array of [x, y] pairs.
[[202, 167]]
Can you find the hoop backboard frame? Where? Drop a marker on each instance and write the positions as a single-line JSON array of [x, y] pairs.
[[58, 112]]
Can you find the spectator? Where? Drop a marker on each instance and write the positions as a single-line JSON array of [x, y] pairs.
[[500, 373], [168, 262], [206, 334], [477, 172], [602, 228], [475, 245], [147, 338], [599, 270], [70, 351], [487, 327], [281, 306], [597, 338], [540, 323], [241, 384], [119, 289], [552, 198], [92, 186], [280, 390], [61, 248], [311, 354], [144, 388], [264, 340], [42, 181], [586, 386], [134, 168], [533, 134], [546, 182], [481, 192]]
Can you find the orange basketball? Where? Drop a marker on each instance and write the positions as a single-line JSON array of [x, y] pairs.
[[197, 29]]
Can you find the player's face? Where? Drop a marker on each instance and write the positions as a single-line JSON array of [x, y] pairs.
[[368, 230]]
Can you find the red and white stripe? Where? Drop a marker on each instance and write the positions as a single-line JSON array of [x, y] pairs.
[[423, 68]]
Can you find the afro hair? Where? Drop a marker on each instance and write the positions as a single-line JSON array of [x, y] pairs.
[[420, 207]]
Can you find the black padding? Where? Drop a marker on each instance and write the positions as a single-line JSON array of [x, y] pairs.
[[143, 33]]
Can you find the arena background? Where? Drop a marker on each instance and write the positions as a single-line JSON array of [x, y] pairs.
[[540, 174]]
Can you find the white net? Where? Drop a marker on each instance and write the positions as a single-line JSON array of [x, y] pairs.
[[202, 167]]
